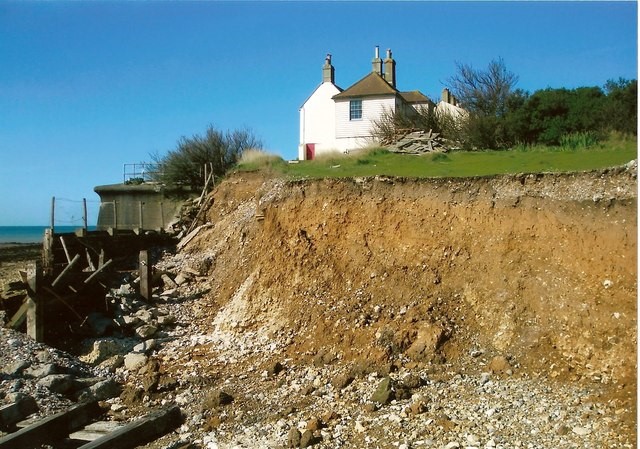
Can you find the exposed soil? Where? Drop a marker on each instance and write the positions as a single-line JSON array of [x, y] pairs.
[[396, 273]]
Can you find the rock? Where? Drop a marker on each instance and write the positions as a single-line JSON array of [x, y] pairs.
[[417, 407], [342, 381], [112, 363], [168, 282], [429, 338], [134, 361], [100, 391], [607, 283], [500, 365], [384, 392], [104, 349], [412, 381], [57, 383], [315, 424], [307, 439], [131, 321], [182, 278], [581, 431], [215, 399], [145, 346], [100, 325], [294, 437], [166, 320], [144, 315], [16, 368], [40, 371], [274, 369], [146, 331], [452, 445]]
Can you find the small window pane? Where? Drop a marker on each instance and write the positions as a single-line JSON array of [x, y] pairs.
[[355, 110]]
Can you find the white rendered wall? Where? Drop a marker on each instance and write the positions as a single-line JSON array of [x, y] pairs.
[[317, 119]]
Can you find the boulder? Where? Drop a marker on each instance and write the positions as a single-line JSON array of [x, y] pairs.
[[100, 391], [428, 339], [57, 383], [134, 361], [384, 392], [146, 331]]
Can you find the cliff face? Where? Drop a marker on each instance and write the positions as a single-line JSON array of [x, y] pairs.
[[530, 275], [542, 268]]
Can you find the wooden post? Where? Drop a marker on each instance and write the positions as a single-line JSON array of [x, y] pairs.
[[84, 213], [35, 311], [53, 213], [145, 275], [47, 250]]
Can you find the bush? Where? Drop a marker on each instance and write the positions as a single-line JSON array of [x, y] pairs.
[[215, 150], [256, 159]]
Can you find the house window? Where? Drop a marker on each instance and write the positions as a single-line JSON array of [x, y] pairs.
[[355, 110]]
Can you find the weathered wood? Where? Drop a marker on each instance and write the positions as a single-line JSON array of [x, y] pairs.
[[52, 428], [92, 267], [64, 247], [35, 310], [13, 413], [98, 271], [65, 303], [145, 275], [139, 432], [66, 270], [18, 318], [191, 235]]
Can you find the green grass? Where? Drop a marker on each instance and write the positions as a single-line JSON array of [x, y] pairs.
[[615, 151]]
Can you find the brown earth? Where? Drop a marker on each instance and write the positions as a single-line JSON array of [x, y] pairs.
[[541, 269]]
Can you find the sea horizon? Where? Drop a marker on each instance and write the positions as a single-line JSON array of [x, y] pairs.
[[31, 234]]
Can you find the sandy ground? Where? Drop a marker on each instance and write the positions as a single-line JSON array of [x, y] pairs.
[[15, 257]]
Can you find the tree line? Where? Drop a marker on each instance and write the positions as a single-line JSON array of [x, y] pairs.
[[499, 116]]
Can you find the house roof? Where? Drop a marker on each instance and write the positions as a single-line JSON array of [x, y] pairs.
[[415, 96], [372, 84]]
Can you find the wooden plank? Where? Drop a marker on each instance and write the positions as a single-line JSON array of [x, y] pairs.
[[35, 311], [53, 428], [66, 251], [66, 270], [98, 271], [21, 315], [139, 432], [13, 413]]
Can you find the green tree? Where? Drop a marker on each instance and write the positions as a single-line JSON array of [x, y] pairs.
[[621, 108], [218, 150]]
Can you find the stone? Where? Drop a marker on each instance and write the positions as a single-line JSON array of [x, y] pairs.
[[274, 369], [294, 437], [315, 424], [100, 325], [215, 399], [134, 361], [16, 368], [417, 407], [146, 346], [342, 381], [500, 365], [166, 320], [307, 439], [145, 315], [412, 381], [104, 349], [384, 392], [40, 371], [100, 391], [112, 363], [131, 321], [146, 331], [428, 339], [57, 383]]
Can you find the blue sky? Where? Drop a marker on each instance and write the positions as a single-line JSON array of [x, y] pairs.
[[86, 87]]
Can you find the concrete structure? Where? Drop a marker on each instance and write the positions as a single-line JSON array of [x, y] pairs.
[[333, 119], [142, 207]]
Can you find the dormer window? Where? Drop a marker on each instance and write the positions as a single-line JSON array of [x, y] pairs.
[[355, 110]]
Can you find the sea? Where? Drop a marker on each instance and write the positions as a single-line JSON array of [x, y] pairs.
[[31, 234]]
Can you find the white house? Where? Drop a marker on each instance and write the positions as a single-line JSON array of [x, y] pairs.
[[333, 119]]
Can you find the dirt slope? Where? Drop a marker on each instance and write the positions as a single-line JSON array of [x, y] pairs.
[[384, 274]]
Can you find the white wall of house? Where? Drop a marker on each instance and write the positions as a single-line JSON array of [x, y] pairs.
[[450, 109], [356, 132], [317, 120]]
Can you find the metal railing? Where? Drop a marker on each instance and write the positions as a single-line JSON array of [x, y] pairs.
[[141, 172]]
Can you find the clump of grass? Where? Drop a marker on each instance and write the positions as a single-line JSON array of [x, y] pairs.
[[584, 139], [255, 159], [440, 157]]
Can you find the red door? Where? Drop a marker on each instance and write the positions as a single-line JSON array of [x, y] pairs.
[[311, 151]]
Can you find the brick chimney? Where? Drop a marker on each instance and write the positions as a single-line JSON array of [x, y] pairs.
[[377, 62], [328, 72], [390, 69]]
